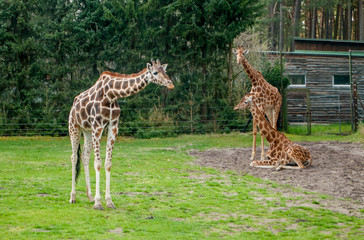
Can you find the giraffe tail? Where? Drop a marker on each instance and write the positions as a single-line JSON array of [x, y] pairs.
[[78, 163]]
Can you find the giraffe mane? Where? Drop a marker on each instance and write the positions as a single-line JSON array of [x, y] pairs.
[[115, 74]]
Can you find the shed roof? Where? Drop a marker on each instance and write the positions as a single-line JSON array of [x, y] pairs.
[[319, 53], [327, 45], [327, 40]]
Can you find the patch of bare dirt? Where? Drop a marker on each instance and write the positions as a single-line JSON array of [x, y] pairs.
[[118, 231], [337, 170]]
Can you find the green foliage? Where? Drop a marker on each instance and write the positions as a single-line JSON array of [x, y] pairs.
[[272, 73], [50, 51]]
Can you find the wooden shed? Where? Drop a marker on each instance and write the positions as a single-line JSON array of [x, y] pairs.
[[321, 70]]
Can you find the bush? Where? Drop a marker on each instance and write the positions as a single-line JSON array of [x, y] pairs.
[[158, 124]]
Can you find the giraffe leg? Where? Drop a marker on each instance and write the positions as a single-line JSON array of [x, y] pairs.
[[254, 140], [272, 122], [87, 148], [111, 138], [96, 138], [270, 116], [271, 163], [291, 154], [75, 135], [275, 115], [262, 156], [297, 153]]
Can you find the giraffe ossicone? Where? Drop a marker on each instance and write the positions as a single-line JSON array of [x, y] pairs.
[[281, 150], [97, 109]]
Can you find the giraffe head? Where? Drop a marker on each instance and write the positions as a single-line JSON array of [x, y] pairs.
[[245, 103], [157, 74], [239, 52]]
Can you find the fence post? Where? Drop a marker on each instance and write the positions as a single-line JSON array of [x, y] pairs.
[[355, 106], [284, 120], [308, 102], [351, 93], [339, 112]]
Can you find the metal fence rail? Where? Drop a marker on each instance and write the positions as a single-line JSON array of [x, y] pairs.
[[180, 124]]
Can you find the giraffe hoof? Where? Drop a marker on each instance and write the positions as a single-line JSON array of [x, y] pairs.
[[253, 164], [98, 207], [111, 206], [73, 201], [279, 168]]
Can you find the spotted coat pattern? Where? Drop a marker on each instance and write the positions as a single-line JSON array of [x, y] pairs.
[[268, 98], [281, 150], [97, 109]]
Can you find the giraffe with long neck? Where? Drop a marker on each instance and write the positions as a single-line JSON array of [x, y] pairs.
[[268, 98], [97, 109], [281, 149]]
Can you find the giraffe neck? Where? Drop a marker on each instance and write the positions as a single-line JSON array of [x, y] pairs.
[[265, 128], [121, 86], [252, 73]]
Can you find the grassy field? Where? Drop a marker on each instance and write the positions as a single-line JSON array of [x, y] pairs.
[[158, 192], [319, 129]]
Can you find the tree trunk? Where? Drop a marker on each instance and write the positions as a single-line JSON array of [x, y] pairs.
[[337, 21], [281, 26], [361, 20], [272, 32], [341, 23], [327, 24], [314, 23], [330, 22], [356, 25], [322, 25], [229, 69], [308, 23], [349, 16], [296, 21]]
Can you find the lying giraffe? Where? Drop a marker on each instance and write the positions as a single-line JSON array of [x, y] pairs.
[[97, 108], [281, 149], [267, 97]]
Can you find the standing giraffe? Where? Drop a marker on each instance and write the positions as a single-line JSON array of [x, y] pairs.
[[95, 109], [281, 149], [267, 97]]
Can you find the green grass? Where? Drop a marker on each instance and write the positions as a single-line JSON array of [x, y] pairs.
[[158, 193], [319, 129]]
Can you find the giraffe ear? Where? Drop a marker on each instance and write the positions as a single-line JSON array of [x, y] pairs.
[[246, 52], [164, 66], [149, 66], [235, 51]]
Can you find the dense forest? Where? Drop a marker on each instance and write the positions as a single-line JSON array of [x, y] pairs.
[[51, 50], [324, 19]]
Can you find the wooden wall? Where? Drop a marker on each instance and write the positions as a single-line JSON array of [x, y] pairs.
[[328, 103]]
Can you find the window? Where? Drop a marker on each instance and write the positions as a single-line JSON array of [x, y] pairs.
[[341, 80], [297, 80]]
